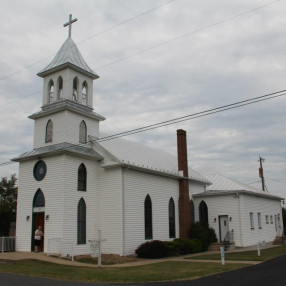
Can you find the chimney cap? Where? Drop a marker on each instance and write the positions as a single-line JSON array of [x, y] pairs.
[[181, 132]]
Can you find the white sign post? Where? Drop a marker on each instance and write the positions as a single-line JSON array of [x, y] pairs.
[[258, 248], [95, 248], [222, 255]]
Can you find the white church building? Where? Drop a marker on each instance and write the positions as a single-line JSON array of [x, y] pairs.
[[240, 213], [76, 181]]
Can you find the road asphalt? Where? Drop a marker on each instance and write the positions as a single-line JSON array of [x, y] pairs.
[[269, 273]]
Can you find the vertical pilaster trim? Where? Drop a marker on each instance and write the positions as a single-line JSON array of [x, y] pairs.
[[123, 211]]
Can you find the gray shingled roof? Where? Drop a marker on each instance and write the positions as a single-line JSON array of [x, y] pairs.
[[68, 55], [222, 185], [155, 160], [59, 148]]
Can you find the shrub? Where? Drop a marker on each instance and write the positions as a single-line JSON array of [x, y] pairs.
[[173, 248], [152, 249], [203, 233], [183, 246], [186, 245]]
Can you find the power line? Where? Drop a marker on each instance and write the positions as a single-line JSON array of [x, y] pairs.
[[188, 34], [160, 44], [276, 180], [182, 118], [198, 114], [92, 36]]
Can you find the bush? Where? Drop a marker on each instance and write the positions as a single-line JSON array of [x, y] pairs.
[[152, 249], [187, 246], [173, 248], [183, 246], [203, 233]]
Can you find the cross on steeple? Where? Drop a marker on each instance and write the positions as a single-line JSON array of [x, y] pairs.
[[69, 23]]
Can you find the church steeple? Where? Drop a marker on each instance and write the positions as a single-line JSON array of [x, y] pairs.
[[68, 56], [67, 99], [68, 76]]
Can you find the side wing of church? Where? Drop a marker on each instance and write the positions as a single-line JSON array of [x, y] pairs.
[[72, 184]]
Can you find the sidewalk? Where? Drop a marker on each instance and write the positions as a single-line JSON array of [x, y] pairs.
[[43, 257]]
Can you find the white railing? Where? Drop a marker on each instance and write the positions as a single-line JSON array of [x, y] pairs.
[[7, 243], [63, 248]]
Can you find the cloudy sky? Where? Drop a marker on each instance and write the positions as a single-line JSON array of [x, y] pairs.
[[158, 60]]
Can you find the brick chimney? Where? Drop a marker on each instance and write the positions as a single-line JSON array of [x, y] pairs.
[[184, 199]]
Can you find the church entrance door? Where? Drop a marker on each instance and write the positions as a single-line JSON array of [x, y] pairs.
[[38, 219], [223, 227]]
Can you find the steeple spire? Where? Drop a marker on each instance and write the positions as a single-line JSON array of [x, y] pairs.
[[69, 23]]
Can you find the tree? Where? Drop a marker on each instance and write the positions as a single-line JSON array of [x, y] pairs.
[[8, 203]]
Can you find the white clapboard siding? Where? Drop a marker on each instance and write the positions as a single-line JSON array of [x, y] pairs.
[[221, 205], [137, 185], [238, 207], [65, 128], [71, 198], [195, 188], [265, 206], [51, 187], [110, 209]]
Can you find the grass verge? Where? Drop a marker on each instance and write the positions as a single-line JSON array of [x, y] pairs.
[[162, 271], [266, 254]]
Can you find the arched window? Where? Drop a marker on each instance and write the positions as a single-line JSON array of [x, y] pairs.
[[60, 88], [84, 93], [81, 178], [203, 212], [193, 219], [81, 222], [39, 199], [75, 89], [172, 228], [50, 91], [82, 132], [148, 218], [49, 131]]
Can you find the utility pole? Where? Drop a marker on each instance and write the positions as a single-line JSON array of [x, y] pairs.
[[261, 173]]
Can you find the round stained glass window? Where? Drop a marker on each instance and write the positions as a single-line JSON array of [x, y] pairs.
[[40, 170]]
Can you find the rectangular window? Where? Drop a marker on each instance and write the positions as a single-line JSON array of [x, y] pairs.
[[259, 220], [267, 219], [271, 219], [251, 220]]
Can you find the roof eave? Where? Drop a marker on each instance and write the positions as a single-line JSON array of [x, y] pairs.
[[65, 65], [244, 192]]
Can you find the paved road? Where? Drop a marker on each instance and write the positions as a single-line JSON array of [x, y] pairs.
[[270, 273]]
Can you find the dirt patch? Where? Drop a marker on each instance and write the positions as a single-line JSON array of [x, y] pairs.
[[107, 259]]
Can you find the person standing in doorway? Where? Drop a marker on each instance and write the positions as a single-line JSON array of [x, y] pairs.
[[38, 238]]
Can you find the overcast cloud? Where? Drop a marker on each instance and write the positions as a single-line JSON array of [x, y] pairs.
[[241, 58]]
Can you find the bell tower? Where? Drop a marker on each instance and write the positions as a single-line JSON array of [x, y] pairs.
[[58, 177], [67, 98]]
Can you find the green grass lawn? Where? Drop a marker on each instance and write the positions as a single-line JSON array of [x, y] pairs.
[[246, 255], [153, 272]]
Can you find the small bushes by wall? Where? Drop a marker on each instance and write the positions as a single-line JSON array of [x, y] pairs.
[[204, 233], [179, 246], [152, 249]]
